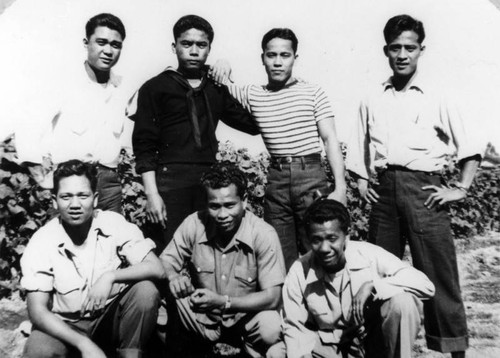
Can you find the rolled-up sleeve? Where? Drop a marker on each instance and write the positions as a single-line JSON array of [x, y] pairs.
[[37, 271], [299, 339], [455, 125], [132, 245]]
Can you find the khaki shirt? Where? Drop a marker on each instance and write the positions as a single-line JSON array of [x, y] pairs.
[[315, 303], [251, 262]]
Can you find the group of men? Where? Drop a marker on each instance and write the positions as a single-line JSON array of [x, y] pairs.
[[293, 285]]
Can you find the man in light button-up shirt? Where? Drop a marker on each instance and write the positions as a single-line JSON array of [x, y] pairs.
[[86, 119], [87, 275], [405, 132], [343, 294]]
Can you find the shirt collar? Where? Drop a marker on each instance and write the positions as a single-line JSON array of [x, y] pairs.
[[96, 230], [114, 80], [416, 83], [241, 236], [354, 262]]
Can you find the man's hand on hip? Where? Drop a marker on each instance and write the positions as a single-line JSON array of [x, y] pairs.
[[442, 195]]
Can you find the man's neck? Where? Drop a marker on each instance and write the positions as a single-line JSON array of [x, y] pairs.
[[78, 234], [276, 86], [400, 83], [101, 77]]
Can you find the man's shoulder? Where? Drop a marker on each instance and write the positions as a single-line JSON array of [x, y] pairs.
[[258, 225], [110, 222], [48, 234]]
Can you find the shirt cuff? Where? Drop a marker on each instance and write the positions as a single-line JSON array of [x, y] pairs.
[[136, 251]]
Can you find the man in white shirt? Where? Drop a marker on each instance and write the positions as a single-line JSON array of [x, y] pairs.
[[87, 119], [405, 132]]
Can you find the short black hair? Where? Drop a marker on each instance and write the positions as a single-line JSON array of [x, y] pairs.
[[78, 168], [221, 175], [188, 22], [282, 33], [324, 210], [401, 23], [105, 20]]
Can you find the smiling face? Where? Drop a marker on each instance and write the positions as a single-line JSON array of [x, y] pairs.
[[75, 201], [103, 48], [403, 53], [226, 208], [328, 243], [278, 59], [192, 48]]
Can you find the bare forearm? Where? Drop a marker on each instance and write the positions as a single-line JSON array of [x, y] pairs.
[[149, 182], [268, 299], [468, 172], [336, 162]]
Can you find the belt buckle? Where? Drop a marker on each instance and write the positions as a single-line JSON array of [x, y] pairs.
[[288, 160]]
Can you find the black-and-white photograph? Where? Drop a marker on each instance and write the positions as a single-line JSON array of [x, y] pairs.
[[250, 178]]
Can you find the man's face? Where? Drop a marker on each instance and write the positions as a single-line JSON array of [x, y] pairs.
[[403, 54], [278, 59], [75, 200], [192, 48], [226, 207], [328, 243], [103, 48]]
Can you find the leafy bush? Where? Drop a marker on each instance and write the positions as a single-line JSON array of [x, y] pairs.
[[24, 207]]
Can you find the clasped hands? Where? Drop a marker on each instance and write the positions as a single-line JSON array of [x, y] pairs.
[[201, 300]]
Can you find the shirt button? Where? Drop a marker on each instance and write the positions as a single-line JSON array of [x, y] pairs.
[[250, 279], [198, 269], [224, 277], [223, 256]]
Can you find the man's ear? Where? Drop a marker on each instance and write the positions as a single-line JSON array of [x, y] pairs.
[[85, 42], [262, 58], [245, 201], [173, 48], [96, 199], [54, 201], [386, 51], [422, 50]]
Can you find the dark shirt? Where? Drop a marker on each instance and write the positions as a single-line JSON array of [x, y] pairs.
[[168, 111]]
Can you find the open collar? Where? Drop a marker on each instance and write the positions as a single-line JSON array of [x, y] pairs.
[[114, 80], [416, 83], [241, 236]]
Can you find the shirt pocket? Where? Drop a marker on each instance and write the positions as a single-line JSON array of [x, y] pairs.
[[246, 278], [203, 275]]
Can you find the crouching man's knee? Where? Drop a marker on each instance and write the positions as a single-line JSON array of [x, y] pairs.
[[402, 306]]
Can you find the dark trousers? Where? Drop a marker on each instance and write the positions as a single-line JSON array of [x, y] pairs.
[[109, 189], [289, 192], [400, 215], [180, 189], [123, 329]]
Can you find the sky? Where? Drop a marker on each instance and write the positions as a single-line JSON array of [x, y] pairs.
[[340, 48]]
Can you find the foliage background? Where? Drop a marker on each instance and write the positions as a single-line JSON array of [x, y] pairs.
[[24, 207]]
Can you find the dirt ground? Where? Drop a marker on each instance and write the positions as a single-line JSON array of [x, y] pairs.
[[479, 265]]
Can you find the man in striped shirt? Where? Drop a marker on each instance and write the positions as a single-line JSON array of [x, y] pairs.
[[292, 117]]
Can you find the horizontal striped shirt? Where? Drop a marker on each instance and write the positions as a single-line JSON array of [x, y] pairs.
[[287, 118]]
